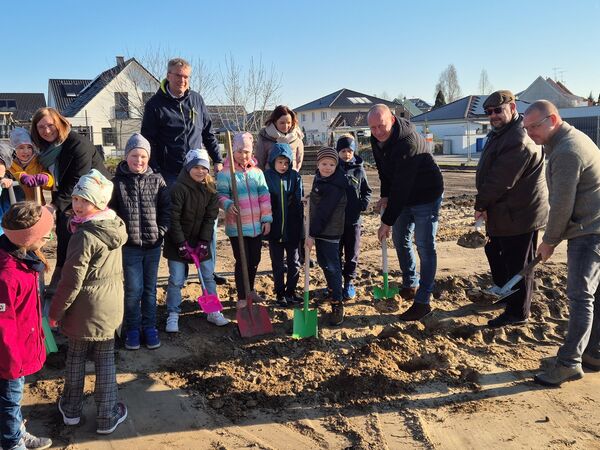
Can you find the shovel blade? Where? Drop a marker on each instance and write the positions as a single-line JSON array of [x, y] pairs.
[[384, 294], [49, 341], [253, 320], [306, 323], [210, 303]]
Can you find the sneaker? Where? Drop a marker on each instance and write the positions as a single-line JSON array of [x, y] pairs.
[[408, 293], [33, 442], [151, 338], [294, 299], [349, 291], [217, 318], [589, 362], [172, 323], [281, 300], [132, 340], [506, 319], [416, 312], [337, 314], [19, 445], [219, 280], [558, 374], [493, 290], [122, 415], [67, 420]]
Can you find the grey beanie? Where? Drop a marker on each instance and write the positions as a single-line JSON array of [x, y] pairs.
[[6, 154], [20, 136], [137, 141], [196, 157]]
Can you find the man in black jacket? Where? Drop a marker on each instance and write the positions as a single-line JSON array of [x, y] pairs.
[[411, 194], [512, 198]]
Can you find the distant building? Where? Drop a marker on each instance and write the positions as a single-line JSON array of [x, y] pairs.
[[585, 119], [554, 91], [421, 104], [16, 110], [227, 117]]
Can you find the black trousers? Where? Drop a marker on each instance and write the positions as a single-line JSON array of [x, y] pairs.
[[507, 255], [349, 250], [276, 251], [252, 247]]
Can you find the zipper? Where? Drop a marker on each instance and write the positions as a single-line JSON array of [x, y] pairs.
[[250, 201]]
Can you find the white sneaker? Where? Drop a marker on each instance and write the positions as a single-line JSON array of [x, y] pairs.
[[493, 290], [217, 318], [172, 323]]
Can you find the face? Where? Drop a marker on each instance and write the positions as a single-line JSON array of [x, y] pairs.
[[282, 164], [284, 123], [83, 208], [24, 152], [198, 173], [346, 154], [326, 166], [381, 123], [179, 80], [137, 160], [242, 157], [47, 129], [501, 118], [539, 127], [39, 244], [2, 169]]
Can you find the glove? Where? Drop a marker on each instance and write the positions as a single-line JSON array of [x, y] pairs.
[[28, 180], [41, 179], [202, 250], [183, 252]]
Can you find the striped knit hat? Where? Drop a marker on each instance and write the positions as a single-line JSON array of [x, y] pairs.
[[327, 152]]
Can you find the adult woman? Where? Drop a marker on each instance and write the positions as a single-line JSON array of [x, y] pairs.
[[68, 156], [282, 126]]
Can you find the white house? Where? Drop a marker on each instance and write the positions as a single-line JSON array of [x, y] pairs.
[[109, 108], [551, 90], [316, 117]]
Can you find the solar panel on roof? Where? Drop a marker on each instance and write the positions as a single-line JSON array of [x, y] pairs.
[[11, 104]]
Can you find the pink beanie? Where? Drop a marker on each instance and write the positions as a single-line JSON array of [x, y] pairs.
[[28, 236], [242, 141]]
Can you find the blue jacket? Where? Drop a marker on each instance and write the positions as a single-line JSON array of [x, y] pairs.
[[174, 126], [286, 199], [358, 191], [328, 205]]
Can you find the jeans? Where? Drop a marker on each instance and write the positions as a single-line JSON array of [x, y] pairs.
[[328, 257], [140, 267], [420, 221], [583, 279], [276, 251], [11, 393], [178, 273]]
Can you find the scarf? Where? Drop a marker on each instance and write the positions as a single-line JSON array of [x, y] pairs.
[[49, 159], [107, 214], [274, 133]]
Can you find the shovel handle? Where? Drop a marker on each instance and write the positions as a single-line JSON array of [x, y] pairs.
[[384, 255], [479, 224], [306, 251]]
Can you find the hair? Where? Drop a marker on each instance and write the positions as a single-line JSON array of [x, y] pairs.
[[209, 181], [282, 110], [24, 215], [178, 62], [544, 107], [379, 108], [62, 125]]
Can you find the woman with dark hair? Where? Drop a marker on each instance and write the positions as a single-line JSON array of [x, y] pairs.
[[68, 156], [282, 127]]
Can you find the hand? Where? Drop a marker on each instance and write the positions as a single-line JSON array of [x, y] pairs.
[[27, 180], [41, 179], [381, 203], [545, 251], [233, 210], [6, 183], [308, 243], [217, 167], [266, 228], [52, 323], [202, 250], [482, 214], [383, 232], [183, 252]]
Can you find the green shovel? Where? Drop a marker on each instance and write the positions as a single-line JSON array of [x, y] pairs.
[[385, 292], [49, 341]]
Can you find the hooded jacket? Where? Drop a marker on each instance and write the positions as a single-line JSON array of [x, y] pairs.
[[194, 210], [174, 126], [286, 199], [408, 173], [34, 167], [328, 205], [269, 136], [142, 201], [22, 350], [88, 302], [358, 191]]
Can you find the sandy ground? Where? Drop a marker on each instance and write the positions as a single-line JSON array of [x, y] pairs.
[[447, 383]]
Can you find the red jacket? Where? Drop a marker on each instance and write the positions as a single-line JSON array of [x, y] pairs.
[[22, 349]]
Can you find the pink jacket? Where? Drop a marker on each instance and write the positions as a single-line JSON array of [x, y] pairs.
[[22, 350]]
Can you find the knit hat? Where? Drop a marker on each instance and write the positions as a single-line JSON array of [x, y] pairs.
[[242, 141], [498, 98], [327, 152], [95, 188], [137, 141], [6, 154], [20, 136], [27, 236], [345, 142], [196, 157]]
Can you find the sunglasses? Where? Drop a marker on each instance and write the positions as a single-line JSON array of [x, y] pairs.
[[490, 111]]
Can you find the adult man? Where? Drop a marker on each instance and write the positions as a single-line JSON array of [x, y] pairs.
[[175, 121], [411, 195], [512, 197], [573, 177]]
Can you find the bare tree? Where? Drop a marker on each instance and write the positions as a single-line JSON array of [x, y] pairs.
[[485, 86], [448, 84], [384, 95]]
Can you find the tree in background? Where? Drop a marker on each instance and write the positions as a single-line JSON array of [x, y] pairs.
[[448, 84], [439, 99], [485, 86]]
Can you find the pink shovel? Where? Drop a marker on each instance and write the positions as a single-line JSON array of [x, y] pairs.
[[209, 303]]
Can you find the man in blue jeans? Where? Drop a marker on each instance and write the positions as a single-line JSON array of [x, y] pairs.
[[411, 194], [573, 177]]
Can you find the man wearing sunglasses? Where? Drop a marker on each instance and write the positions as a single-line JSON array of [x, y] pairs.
[[573, 176], [512, 198]]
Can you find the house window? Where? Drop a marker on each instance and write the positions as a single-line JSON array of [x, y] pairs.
[[108, 136], [121, 105], [303, 117], [323, 115], [313, 116], [84, 131]]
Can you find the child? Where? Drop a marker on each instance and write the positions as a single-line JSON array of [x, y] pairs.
[[25, 166], [27, 227], [285, 186], [88, 303], [194, 209], [327, 210], [5, 181], [255, 208], [141, 199], [358, 193]]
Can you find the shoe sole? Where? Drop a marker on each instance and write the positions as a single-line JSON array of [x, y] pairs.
[[219, 324], [110, 430], [132, 347], [575, 377], [153, 347], [70, 421]]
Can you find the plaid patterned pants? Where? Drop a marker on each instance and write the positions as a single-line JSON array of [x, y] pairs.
[[105, 389]]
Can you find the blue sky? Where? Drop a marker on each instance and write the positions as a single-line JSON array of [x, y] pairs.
[[317, 46]]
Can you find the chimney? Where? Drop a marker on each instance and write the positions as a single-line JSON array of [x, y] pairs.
[[120, 61]]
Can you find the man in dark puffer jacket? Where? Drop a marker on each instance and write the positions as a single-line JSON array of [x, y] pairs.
[[141, 199]]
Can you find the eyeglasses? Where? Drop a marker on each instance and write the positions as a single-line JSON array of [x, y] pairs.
[[535, 126], [43, 127], [496, 110], [180, 75]]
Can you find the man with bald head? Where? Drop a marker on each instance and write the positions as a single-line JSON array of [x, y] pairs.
[[573, 177], [411, 195]]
